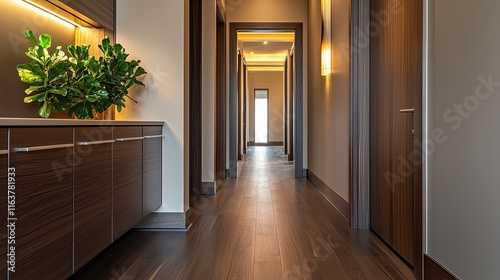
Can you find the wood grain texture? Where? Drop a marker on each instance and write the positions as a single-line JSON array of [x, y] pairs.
[[433, 270], [152, 175], [337, 201], [195, 99], [264, 225], [100, 13], [220, 100], [3, 201], [44, 204], [396, 75], [127, 180], [92, 194]]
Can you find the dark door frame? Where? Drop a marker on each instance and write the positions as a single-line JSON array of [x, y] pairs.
[[195, 117], [220, 98], [234, 27], [360, 133]]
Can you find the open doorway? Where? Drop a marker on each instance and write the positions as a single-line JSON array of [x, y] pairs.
[[236, 120], [261, 115]]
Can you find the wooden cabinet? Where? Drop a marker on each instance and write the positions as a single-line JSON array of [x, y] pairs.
[[152, 157], [127, 178], [75, 191], [4, 149], [92, 191], [99, 13], [43, 160]]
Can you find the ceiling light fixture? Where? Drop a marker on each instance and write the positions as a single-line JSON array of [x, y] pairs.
[[265, 42]]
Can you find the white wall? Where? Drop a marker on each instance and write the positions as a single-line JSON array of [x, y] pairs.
[[153, 31], [329, 101], [463, 191], [209, 19], [274, 11]]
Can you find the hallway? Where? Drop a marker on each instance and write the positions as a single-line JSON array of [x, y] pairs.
[[263, 225]]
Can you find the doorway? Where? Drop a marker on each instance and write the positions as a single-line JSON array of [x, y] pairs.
[[396, 130], [261, 116], [234, 120]]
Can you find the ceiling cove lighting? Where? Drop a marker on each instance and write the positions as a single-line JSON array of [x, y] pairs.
[[326, 39], [40, 8]]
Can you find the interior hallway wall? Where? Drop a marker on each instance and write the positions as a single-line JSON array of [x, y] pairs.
[[273, 81], [464, 133], [15, 17], [157, 36], [274, 11], [209, 23], [329, 100]]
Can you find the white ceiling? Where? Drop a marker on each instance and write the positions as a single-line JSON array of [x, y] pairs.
[[265, 48]]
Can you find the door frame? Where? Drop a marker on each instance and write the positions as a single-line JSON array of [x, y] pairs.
[[359, 169], [297, 27]]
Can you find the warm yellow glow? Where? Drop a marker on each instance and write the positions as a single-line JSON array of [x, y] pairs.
[[265, 68], [266, 36], [265, 42], [272, 58], [326, 60], [37, 8]]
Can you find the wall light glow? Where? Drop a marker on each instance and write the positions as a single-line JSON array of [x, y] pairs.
[[40, 9], [326, 39]]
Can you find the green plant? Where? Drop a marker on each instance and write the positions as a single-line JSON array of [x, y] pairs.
[[80, 84]]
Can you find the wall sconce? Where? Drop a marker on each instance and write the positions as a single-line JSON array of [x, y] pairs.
[[326, 37]]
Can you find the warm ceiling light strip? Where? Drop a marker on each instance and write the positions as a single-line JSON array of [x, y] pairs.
[[51, 13]]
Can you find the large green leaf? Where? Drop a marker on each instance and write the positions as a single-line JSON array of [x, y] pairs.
[[45, 41], [30, 73], [29, 34]]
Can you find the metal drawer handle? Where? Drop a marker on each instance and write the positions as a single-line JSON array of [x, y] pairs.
[[153, 136], [4, 152], [128, 139], [43, 148], [95, 142], [412, 110]]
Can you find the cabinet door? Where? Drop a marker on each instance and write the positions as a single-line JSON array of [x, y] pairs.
[[152, 168], [127, 178], [3, 200], [93, 186], [43, 160]]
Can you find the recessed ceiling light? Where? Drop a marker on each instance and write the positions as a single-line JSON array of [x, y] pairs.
[[252, 53], [265, 42]]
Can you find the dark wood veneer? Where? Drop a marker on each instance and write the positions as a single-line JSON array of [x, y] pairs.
[[3, 201], [435, 271], [127, 180], [93, 202], [152, 170], [44, 204]]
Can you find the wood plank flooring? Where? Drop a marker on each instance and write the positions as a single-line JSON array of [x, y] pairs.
[[263, 225]]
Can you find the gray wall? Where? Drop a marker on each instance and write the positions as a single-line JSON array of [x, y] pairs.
[[329, 100], [463, 227], [15, 17]]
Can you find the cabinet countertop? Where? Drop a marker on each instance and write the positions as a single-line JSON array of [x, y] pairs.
[[34, 122]]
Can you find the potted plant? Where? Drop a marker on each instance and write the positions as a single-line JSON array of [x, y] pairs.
[[80, 84]]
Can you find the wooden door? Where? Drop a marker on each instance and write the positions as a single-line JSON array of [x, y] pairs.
[[396, 78]]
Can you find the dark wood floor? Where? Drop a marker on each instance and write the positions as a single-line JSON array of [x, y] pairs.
[[263, 225]]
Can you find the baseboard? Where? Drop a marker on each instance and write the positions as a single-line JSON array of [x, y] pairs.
[[268, 144], [433, 270], [158, 221], [335, 199], [208, 188]]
